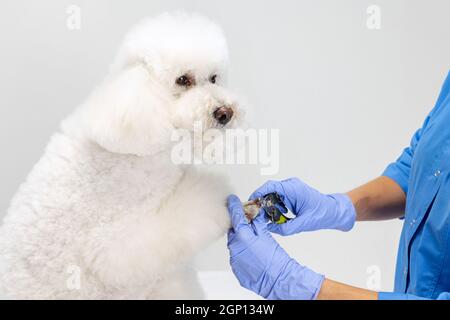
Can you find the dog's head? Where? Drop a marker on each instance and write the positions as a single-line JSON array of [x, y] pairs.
[[169, 74]]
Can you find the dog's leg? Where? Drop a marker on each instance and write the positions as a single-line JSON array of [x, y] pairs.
[[153, 247], [183, 284]]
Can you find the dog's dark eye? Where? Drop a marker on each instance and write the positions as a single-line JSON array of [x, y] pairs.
[[185, 81], [213, 78]]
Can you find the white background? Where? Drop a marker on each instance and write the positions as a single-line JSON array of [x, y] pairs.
[[345, 98]]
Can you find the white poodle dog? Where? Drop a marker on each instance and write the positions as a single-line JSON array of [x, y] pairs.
[[105, 213]]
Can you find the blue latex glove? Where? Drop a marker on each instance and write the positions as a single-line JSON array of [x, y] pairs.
[[313, 210], [261, 265]]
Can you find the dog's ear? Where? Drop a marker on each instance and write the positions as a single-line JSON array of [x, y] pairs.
[[129, 113]]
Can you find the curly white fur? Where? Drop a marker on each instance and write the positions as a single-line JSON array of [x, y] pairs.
[[105, 199]]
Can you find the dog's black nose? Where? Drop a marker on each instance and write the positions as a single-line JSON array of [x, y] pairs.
[[223, 115]]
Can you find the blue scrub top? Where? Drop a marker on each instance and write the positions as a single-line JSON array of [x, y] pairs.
[[423, 172]]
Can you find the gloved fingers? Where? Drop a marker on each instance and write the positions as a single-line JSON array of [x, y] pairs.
[[261, 217], [235, 244], [259, 223], [268, 187], [302, 222], [292, 180], [275, 228], [279, 188], [230, 236], [236, 212], [296, 225], [285, 229]]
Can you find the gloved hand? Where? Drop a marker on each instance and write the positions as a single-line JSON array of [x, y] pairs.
[[261, 265], [313, 210]]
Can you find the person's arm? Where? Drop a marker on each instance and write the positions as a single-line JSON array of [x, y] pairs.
[[384, 198], [380, 199], [332, 290], [261, 265]]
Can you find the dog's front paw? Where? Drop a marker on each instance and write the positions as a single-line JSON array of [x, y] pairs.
[[202, 202]]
